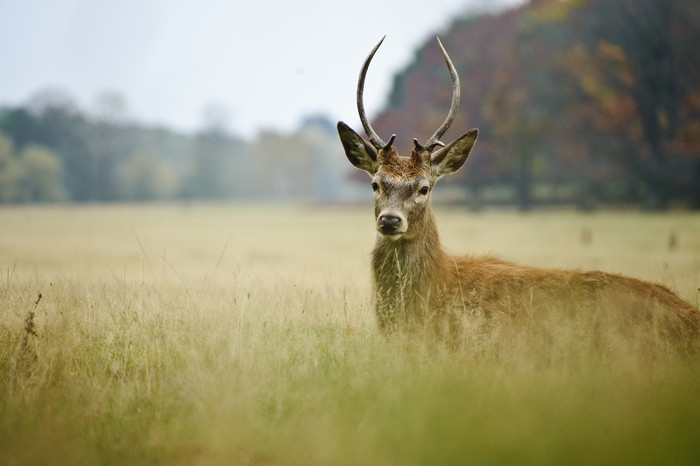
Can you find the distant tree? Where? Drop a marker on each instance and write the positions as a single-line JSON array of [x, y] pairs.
[[33, 175], [283, 166], [51, 119], [109, 145], [110, 142], [496, 98], [110, 107], [5, 150], [599, 96], [146, 177], [91, 150], [318, 121], [520, 116], [49, 99], [634, 68], [10, 173], [218, 167], [42, 175], [217, 118]]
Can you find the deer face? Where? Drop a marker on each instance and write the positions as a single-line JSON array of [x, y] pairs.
[[402, 185], [401, 188]]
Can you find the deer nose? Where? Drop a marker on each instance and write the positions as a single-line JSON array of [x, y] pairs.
[[388, 224]]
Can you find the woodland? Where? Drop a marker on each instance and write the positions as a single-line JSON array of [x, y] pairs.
[[585, 103]]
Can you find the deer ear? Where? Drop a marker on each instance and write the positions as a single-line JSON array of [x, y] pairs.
[[450, 158], [359, 152]]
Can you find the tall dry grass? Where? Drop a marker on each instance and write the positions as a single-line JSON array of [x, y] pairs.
[[244, 335]]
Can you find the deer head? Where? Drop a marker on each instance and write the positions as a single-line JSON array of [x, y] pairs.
[[402, 185]]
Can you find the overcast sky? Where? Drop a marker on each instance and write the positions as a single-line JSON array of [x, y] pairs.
[[268, 63]]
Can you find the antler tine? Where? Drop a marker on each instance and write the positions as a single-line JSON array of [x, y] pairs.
[[435, 138], [374, 139]]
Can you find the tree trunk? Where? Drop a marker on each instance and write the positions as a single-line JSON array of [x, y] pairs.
[[523, 183], [694, 186]]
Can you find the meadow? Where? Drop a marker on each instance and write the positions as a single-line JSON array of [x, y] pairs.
[[244, 334]]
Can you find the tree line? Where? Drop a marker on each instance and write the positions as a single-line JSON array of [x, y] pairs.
[[582, 101], [578, 102], [51, 151]]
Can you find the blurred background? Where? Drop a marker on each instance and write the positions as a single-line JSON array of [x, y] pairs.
[[580, 103]]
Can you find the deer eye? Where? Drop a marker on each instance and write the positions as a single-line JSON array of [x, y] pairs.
[[375, 186], [424, 190]]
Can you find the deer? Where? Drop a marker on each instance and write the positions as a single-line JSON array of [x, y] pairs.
[[419, 287]]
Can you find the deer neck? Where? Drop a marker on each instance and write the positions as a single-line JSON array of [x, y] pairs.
[[407, 274]]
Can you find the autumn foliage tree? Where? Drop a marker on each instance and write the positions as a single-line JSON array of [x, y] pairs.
[[598, 97], [633, 69]]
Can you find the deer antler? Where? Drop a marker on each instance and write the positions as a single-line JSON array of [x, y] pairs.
[[374, 139], [435, 138]]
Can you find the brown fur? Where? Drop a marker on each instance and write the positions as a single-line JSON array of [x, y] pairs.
[[418, 287], [402, 167]]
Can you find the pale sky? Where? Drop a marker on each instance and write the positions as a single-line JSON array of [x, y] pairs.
[[268, 63]]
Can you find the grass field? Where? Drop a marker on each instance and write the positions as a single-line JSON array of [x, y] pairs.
[[244, 334]]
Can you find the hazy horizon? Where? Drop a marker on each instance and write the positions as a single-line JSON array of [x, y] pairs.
[[263, 65]]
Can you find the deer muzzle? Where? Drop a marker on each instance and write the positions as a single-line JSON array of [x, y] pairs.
[[391, 225]]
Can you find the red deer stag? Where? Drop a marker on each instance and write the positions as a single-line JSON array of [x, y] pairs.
[[417, 286]]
